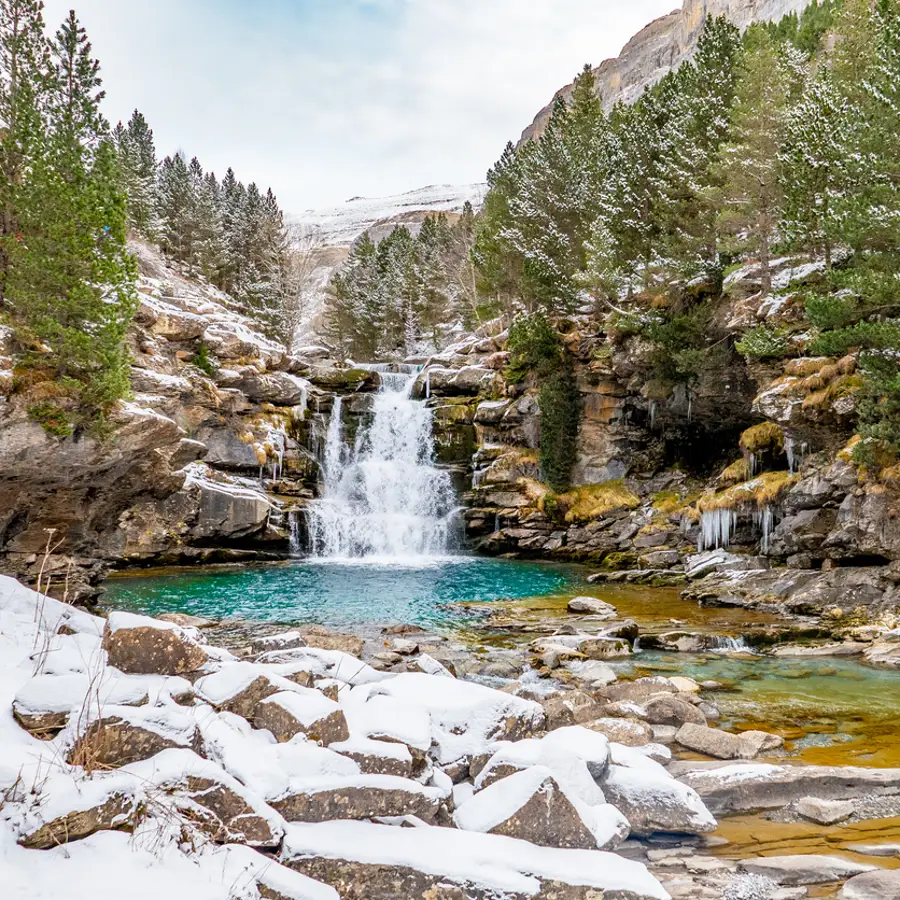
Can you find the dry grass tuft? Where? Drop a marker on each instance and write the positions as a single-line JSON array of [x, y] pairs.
[[808, 365]]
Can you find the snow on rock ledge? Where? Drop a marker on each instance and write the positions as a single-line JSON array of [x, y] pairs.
[[370, 862]]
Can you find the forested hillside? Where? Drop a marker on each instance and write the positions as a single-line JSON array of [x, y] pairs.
[[72, 191], [778, 142]]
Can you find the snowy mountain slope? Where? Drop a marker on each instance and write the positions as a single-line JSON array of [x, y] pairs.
[[331, 232], [342, 225]]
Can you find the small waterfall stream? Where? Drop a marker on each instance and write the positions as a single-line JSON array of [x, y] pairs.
[[383, 498]]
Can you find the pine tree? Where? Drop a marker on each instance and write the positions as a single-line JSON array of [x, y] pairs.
[[174, 208], [815, 167], [749, 171], [24, 63], [209, 242], [697, 127], [71, 277], [137, 161]]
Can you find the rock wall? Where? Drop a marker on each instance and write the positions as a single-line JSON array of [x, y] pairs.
[[749, 462], [199, 466], [663, 45]]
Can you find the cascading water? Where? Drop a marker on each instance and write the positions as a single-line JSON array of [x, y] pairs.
[[383, 498]]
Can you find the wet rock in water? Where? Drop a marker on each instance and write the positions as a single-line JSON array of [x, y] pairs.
[[604, 647], [825, 812], [431, 665], [533, 806], [653, 801], [385, 660], [723, 745], [626, 709], [183, 620], [594, 673], [745, 787], [804, 869], [140, 645], [289, 713], [404, 647], [872, 886], [684, 685], [321, 638], [628, 732], [672, 711], [592, 606], [875, 849]]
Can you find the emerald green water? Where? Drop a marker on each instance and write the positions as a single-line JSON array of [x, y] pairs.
[[344, 594]]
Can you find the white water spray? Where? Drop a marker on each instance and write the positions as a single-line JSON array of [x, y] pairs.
[[383, 498]]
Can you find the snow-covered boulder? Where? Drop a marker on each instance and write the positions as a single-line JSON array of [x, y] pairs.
[[359, 797], [145, 646], [114, 736], [364, 860], [532, 805], [465, 717], [302, 711], [44, 704], [652, 800]]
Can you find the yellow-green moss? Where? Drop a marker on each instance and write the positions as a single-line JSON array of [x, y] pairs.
[[667, 502], [764, 490], [767, 436], [737, 472], [593, 501], [845, 386]]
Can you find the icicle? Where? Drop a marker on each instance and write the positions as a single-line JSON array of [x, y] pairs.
[[764, 519], [717, 527], [652, 415], [690, 408], [428, 385]]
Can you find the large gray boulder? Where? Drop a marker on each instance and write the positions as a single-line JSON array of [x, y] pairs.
[[139, 645], [750, 786], [872, 886], [451, 864]]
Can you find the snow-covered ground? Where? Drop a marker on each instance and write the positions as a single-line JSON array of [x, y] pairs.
[[202, 800]]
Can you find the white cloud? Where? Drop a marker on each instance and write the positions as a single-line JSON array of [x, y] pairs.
[[324, 99]]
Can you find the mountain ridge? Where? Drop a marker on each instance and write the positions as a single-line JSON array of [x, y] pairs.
[[662, 46]]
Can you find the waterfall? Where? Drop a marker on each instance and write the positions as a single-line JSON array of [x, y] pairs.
[[294, 522], [383, 498]]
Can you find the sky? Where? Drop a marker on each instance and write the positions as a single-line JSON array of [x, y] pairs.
[[324, 100]]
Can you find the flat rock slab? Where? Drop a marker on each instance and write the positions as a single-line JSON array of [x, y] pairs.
[[592, 606], [746, 787], [791, 871], [825, 812], [872, 886]]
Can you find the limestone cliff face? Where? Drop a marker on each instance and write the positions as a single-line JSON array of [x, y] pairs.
[[664, 44]]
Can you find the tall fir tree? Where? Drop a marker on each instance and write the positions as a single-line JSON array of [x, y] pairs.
[[137, 162], [748, 174], [24, 65], [71, 278]]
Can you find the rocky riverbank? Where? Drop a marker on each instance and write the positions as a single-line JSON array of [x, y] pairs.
[[286, 764]]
